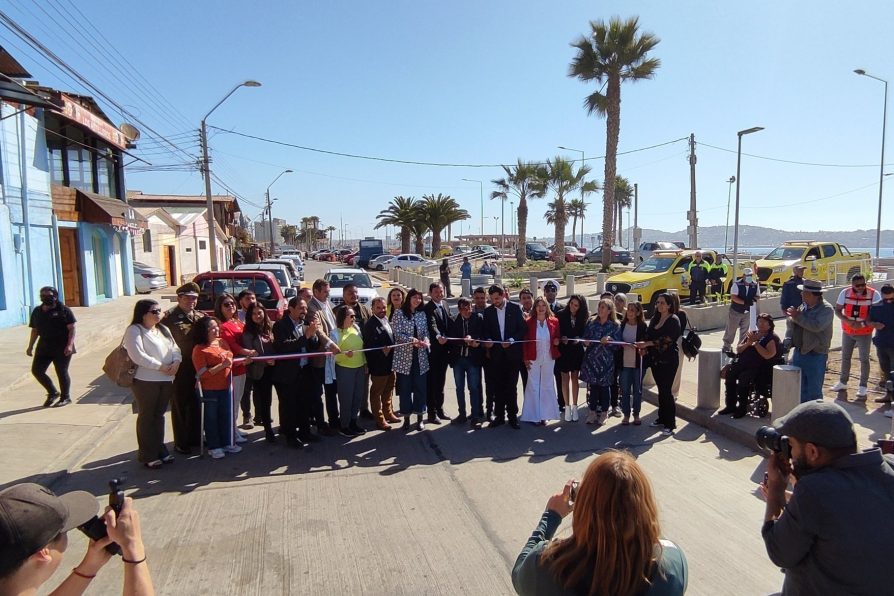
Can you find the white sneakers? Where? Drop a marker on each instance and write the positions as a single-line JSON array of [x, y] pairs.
[[232, 448], [889, 414], [216, 453], [839, 386], [574, 415], [568, 413], [862, 391]]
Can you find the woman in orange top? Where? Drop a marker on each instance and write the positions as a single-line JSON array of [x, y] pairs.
[[214, 361], [231, 329]]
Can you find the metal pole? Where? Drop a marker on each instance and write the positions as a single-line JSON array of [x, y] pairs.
[[481, 189], [209, 205], [881, 180], [635, 223], [741, 133], [729, 193], [693, 214], [270, 221]]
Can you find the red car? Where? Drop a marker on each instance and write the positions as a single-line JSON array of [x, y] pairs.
[[349, 259], [214, 283], [572, 254]]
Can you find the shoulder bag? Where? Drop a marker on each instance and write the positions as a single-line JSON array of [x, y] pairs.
[[119, 367], [691, 343]]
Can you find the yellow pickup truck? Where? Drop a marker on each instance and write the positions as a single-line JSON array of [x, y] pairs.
[[825, 261], [662, 271]]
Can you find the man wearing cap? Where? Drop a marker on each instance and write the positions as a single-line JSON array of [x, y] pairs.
[[34, 525], [824, 543], [881, 318], [184, 406], [790, 296], [53, 329], [698, 278], [852, 307], [550, 289], [743, 294], [811, 337]]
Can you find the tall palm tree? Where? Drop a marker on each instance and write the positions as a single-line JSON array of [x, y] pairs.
[[525, 180], [289, 233], [562, 180], [613, 53], [403, 213], [576, 209], [330, 229], [623, 200], [438, 212]]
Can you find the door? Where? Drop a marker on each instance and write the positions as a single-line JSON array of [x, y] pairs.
[[170, 264], [71, 268]]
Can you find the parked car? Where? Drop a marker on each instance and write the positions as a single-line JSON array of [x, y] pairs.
[[486, 250], [297, 275], [378, 263], [462, 249], [295, 257], [339, 278], [147, 278], [620, 256], [572, 255], [263, 283], [349, 259], [822, 260], [280, 272], [408, 261], [536, 251], [647, 248]]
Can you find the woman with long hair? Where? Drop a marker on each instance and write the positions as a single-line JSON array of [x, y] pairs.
[[677, 309], [541, 403], [152, 348], [598, 368], [226, 309], [410, 324], [258, 336], [615, 547], [572, 322], [660, 347], [394, 302], [212, 355], [633, 329], [350, 377]]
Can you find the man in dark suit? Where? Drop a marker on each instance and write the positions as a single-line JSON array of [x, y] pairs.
[[293, 379], [438, 322], [377, 333], [466, 358], [504, 328], [319, 308]]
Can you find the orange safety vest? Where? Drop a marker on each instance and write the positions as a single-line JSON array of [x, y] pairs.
[[856, 308]]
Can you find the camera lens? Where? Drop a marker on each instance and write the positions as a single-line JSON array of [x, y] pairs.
[[768, 438]]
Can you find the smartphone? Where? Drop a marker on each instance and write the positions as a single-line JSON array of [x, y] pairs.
[[95, 528], [574, 486]]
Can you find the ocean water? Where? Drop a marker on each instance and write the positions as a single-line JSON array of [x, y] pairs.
[[761, 251]]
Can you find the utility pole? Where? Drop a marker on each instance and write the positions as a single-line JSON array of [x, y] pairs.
[[636, 235], [209, 217], [693, 214], [270, 221]]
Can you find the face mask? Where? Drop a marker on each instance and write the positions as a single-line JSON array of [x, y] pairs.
[[48, 300], [748, 279]]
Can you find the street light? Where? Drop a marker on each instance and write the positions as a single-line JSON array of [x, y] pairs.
[[881, 173], [482, 200], [741, 134], [729, 192], [206, 172], [496, 219], [270, 209], [582, 162]]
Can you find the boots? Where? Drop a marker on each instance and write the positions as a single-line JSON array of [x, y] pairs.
[[420, 424], [378, 415], [407, 424], [269, 435]]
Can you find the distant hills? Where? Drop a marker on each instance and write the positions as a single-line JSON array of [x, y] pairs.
[[757, 236]]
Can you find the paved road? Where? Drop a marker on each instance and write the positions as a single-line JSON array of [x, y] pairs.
[[440, 512]]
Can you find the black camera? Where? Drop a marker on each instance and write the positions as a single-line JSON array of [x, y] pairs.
[[771, 439], [95, 529]]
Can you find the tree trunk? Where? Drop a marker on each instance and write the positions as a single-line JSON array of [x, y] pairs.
[[561, 219], [435, 243], [420, 244], [581, 230], [612, 132], [573, 227], [405, 240], [521, 255]]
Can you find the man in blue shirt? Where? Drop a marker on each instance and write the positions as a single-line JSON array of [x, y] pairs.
[[881, 318]]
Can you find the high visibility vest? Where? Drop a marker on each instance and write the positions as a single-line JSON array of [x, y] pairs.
[[856, 308]]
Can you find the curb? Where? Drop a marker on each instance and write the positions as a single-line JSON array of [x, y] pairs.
[[705, 418]]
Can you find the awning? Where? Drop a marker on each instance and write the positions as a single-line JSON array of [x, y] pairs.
[[13, 92], [96, 208]]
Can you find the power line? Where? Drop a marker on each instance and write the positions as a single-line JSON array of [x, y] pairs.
[[411, 162], [798, 163]]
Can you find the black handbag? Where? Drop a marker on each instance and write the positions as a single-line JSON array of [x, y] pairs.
[[691, 343]]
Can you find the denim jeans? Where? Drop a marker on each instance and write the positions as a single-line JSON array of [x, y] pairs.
[[412, 390], [218, 419], [863, 343], [631, 383], [464, 369], [813, 370], [599, 398]]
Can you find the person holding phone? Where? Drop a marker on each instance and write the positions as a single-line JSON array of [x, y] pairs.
[[614, 504]]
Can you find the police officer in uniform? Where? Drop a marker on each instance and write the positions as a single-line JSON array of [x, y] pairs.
[[184, 406]]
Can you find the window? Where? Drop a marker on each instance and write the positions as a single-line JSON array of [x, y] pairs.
[[202, 245], [105, 175], [828, 251], [80, 168], [147, 241], [57, 169]]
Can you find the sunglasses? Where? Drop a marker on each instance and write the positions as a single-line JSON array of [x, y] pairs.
[[155, 311], [229, 304], [351, 316]]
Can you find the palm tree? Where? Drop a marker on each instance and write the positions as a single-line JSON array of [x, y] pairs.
[[289, 233], [576, 209], [623, 200], [403, 213], [525, 180], [330, 229], [613, 53], [563, 180], [438, 212]]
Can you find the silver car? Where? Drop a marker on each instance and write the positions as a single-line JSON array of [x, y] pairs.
[[147, 278]]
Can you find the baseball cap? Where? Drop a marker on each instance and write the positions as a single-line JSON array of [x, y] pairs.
[[32, 515], [748, 271], [819, 422]]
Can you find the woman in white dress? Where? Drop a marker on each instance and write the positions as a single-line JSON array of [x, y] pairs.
[[541, 403]]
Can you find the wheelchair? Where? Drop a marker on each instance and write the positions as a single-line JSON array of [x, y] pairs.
[[760, 391]]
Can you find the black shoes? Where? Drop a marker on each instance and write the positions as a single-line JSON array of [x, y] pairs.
[[183, 450], [433, 419], [63, 402], [356, 429], [51, 397], [726, 410], [461, 419], [514, 424], [364, 413], [420, 425], [407, 425], [495, 423], [739, 413], [295, 443], [269, 435], [442, 415], [309, 438]]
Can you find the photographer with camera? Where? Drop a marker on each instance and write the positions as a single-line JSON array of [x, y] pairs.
[[828, 536], [34, 525]]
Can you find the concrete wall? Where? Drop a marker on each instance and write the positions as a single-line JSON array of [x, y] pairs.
[[714, 316]]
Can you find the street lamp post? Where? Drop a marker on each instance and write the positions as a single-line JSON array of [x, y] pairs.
[[741, 134], [582, 162], [270, 209], [482, 201], [206, 172], [881, 172], [496, 219], [729, 192]]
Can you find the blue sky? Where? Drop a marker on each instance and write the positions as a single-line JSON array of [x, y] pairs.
[[485, 83]]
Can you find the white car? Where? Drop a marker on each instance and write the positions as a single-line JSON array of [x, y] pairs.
[[147, 278], [378, 263], [296, 272], [408, 261], [280, 272], [339, 278]]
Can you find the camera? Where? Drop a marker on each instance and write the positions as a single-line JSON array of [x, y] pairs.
[[572, 497], [771, 439], [95, 528]]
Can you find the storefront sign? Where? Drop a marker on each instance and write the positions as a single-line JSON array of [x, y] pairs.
[[75, 112]]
